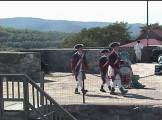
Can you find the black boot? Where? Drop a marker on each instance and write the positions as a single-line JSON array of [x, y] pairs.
[[76, 91], [109, 87], [84, 91], [123, 92], [113, 91], [101, 89]]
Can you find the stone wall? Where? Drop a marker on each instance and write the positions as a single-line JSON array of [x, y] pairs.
[[114, 112], [59, 59], [21, 63]]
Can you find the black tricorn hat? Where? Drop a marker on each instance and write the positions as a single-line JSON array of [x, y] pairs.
[[114, 44], [104, 51], [78, 46]]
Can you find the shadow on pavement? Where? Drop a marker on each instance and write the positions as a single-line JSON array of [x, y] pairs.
[[102, 96], [139, 96], [46, 81], [147, 76]]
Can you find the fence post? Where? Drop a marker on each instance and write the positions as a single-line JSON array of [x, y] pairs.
[[1, 96], [42, 86], [26, 99]]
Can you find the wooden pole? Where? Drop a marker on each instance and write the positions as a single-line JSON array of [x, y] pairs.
[[147, 24], [83, 72], [26, 99]]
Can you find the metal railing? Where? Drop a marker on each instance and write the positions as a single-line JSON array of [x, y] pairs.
[[19, 87]]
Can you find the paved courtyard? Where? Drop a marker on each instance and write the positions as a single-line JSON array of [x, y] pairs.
[[61, 87]]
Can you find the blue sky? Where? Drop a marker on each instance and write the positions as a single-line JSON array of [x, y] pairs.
[[86, 11]]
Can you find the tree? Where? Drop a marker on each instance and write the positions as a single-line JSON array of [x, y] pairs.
[[14, 39], [145, 28], [100, 37]]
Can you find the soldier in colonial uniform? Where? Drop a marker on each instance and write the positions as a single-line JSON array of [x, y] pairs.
[[79, 67], [103, 67], [113, 70]]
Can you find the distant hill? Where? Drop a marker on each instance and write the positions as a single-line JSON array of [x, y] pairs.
[[18, 39], [57, 25]]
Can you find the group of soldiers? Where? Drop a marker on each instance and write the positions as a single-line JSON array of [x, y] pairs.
[[108, 63]]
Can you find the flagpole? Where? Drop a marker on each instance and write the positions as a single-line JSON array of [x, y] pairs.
[[147, 23]]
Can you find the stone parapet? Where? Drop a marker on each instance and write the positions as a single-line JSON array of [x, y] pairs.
[[112, 112], [21, 63], [58, 60]]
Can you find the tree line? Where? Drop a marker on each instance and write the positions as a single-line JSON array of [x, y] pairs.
[[102, 37], [15, 39]]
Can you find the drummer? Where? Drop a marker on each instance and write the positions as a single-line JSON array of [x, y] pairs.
[[113, 70]]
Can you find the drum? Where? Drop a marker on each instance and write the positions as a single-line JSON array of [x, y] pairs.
[[126, 75]]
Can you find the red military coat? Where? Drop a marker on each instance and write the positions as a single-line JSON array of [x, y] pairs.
[[114, 63], [103, 67], [74, 60]]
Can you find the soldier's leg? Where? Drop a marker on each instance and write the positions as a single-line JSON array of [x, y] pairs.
[[102, 87], [80, 82], [113, 87], [108, 82], [79, 77], [118, 81], [103, 81], [119, 84]]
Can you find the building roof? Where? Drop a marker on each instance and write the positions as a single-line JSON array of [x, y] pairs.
[[151, 34], [154, 38], [151, 42], [158, 32]]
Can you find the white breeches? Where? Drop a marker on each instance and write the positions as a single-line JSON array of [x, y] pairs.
[[117, 82], [138, 56], [107, 80], [79, 82]]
